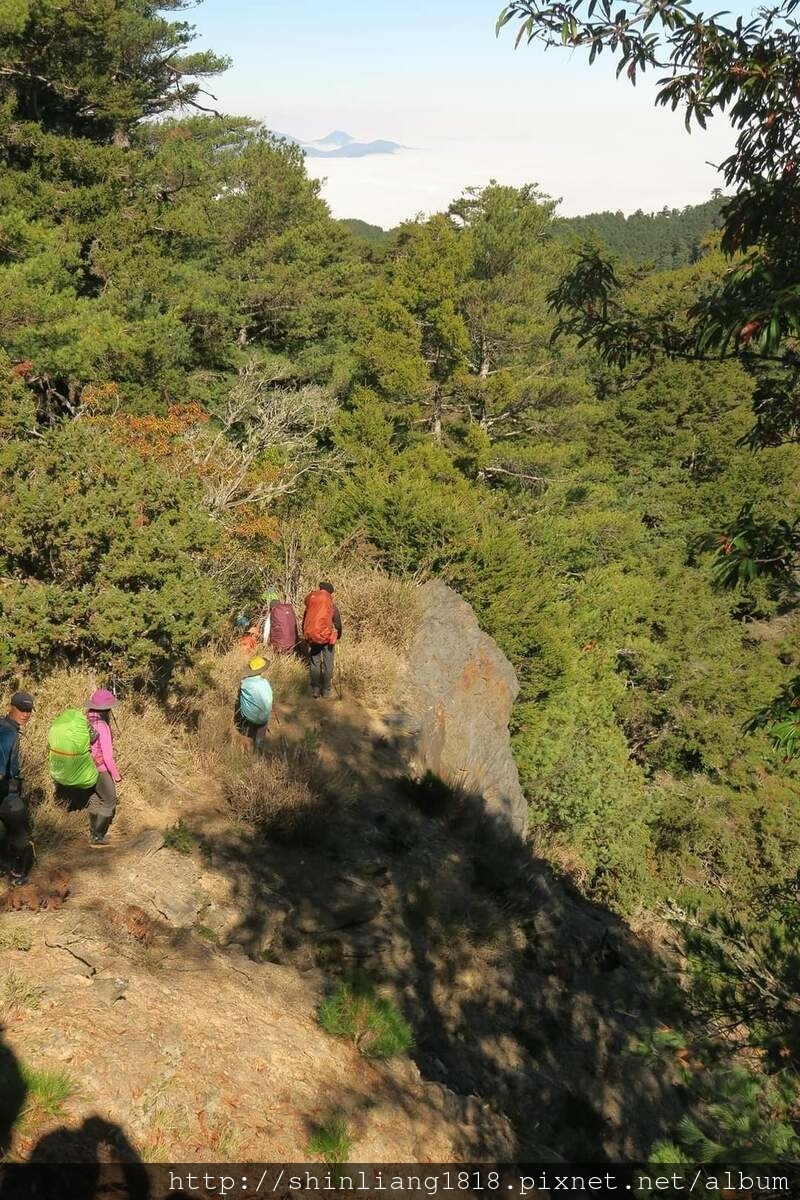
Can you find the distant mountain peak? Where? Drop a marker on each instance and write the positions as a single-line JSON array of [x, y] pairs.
[[351, 150], [338, 138], [341, 145]]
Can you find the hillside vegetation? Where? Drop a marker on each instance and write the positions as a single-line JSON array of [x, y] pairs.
[[208, 385], [673, 237]]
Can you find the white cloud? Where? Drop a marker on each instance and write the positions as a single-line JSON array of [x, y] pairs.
[[608, 159], [433, 77]]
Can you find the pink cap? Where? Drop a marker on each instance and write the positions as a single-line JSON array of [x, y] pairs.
[[102, 700]]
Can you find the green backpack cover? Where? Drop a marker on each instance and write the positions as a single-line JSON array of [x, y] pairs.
[[71, 763]]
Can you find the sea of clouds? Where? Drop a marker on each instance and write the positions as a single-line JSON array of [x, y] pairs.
[[637, 166]]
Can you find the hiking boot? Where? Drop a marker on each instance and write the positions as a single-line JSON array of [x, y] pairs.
[[17, 880], [98, 827], [315, 695]]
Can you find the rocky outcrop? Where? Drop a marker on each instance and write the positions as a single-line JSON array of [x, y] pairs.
[[455, 702]]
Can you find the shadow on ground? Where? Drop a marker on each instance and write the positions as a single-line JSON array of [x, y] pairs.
[[525, 1000], [13, 1091]]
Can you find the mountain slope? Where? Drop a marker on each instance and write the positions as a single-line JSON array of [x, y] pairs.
[[279, 877]]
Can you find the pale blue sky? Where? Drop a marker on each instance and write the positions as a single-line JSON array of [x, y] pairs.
[[432, 75]]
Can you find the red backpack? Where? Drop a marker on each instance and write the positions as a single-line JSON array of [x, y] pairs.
[[282, 628], [318, 620]]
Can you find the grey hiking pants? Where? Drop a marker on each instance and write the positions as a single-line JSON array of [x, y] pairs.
[[321, 668], [103, 801]]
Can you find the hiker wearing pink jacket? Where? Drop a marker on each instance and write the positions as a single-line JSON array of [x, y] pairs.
[[103, 803]]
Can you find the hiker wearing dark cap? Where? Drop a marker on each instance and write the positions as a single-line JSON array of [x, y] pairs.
[[14, 815], [254, 703], [103, 803], [322, 629]]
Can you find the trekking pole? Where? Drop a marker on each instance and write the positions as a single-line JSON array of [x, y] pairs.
[[335, 680]]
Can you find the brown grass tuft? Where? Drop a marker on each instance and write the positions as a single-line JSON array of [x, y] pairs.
[[277, 794], [367, 670], [138, 924], [377, 607]]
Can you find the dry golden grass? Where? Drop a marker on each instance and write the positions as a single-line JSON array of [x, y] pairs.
[[18, 994], [288, 675], [54, 828], [367, 670], [154, 755], [377, 607], [379, 616], [277, 793], [161, 749], [152, 752], [213, 688]]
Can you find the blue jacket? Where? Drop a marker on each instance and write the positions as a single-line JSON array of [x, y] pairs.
[[255, 700], [9, 757]]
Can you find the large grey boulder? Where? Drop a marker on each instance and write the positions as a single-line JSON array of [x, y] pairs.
[[455, 701]]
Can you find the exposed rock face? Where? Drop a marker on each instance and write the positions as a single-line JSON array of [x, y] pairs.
[[455, 704]]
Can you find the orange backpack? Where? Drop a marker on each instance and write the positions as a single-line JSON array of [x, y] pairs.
[[318, 620]]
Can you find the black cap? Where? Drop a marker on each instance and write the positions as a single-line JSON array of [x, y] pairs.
[[327, 587], [22, 701]]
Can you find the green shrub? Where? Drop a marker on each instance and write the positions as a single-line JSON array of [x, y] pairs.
[[180, 838], [207, 934], [47, 1090], [331, 1141], [741, 1116], [373, 1024], [80, 577]]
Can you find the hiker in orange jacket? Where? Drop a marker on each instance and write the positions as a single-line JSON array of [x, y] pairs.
[[322, 628]]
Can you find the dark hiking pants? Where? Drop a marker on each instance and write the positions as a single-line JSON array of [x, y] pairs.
[[16, 821], [321, 667], [256, 733]]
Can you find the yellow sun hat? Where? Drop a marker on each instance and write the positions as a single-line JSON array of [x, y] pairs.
[[257, 664]]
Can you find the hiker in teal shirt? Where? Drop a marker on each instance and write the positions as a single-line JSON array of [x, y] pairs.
[[254, 703]]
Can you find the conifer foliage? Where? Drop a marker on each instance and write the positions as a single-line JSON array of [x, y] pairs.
[[749, 70], [96, 68]]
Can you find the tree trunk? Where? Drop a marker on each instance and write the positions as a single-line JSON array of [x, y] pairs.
[[436, 416], [483, 375]]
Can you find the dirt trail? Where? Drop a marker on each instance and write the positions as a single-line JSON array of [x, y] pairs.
[[187, 1048]]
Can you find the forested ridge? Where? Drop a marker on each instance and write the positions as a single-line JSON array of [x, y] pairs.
[[204, 372], [673, 237]]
